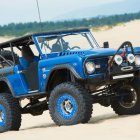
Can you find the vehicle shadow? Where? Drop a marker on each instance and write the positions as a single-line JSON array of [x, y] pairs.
[[104, 117], [40, 126], [93, 120]]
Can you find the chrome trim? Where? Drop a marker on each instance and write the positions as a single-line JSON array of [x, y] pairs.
[[33, 91], [128, 68], [123, 76]]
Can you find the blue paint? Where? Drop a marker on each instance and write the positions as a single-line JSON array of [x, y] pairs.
[[47, 62], [62, 111], [23, 62], [2, 115], [137, 50], [18, 82]]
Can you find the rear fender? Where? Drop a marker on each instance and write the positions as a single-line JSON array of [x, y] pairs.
[[6, 86], [17, 84]]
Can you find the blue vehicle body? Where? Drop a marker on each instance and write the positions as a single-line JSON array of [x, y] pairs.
[[66, 72], [46, 66], [73, 60]]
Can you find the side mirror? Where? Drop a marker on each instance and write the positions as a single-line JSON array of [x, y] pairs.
[[106, 45]]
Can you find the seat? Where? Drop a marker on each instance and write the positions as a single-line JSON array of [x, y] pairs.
[[27, 54], [56, 48], [27, 57], [29, 63]]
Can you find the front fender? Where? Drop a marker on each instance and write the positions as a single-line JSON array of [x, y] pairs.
[[59, 67], [74, 63], [66, 66]]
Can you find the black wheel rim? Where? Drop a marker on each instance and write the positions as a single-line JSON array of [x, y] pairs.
[[129, 101]]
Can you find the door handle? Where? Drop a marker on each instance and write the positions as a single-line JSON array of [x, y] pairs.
[[21, 71]]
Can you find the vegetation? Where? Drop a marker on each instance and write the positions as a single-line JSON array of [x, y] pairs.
[[19, 29]]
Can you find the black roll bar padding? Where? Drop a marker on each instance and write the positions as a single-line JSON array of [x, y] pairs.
[[12, 53], [128, 44], [18, 48]]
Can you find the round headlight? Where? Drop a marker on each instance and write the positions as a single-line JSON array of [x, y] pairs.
[[137, 61], [118, 59], [131, 58], [90, 67]]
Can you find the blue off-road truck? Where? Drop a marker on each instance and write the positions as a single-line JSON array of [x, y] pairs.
[[66, 72]]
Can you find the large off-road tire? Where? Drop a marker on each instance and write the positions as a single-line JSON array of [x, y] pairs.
[[8, 56], [10, 113], [70, 104], [129, 104]]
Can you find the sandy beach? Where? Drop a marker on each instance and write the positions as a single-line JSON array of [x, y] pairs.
[[104, 124]]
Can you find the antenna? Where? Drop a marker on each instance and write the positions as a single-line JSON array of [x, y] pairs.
[[39, 15]]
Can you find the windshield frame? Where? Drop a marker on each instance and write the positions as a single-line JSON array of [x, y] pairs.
[[90, 39]]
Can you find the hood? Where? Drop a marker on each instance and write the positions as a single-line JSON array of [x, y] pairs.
[[91, 52], [108, 51], [137, 50], [100, 52]]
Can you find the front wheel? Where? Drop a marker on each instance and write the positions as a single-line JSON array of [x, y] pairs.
[[70, 104], [129, 102]]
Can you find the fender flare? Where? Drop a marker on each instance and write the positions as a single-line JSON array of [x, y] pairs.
[[5, 80], [64, 66]]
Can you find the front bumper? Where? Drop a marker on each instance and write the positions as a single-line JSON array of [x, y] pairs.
[[112, 77], [96, 79]]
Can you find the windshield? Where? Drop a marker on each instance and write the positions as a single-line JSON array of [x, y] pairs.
[[66, 42]]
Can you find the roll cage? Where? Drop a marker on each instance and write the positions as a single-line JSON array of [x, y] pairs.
[[61, 41], [31, 39]]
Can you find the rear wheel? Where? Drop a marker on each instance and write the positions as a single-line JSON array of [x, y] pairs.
[[10, 115], [70, 104], [129, 102]]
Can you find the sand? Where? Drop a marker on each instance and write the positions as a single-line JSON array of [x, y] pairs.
[[125, 32], [104, 124]]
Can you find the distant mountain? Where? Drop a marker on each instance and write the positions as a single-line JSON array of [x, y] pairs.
[[126, 6]]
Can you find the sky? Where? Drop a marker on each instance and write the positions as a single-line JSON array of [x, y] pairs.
[[51, 10]]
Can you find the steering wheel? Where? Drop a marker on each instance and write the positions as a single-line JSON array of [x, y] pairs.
[[75, 47]]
